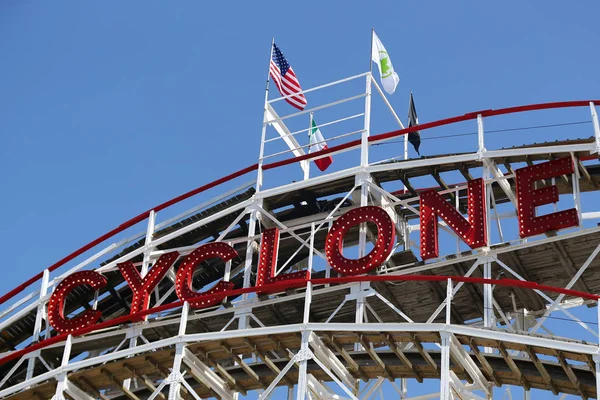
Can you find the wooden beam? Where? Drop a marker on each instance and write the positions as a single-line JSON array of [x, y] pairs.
[[383, 290], [243, 364], [157, 366], [422, 352], [464, 170], [402, 357], [126, 392], [126, 306], [38, 395], [513, 367], [566, 262], [440, 295], [572, 377], [85, 382], [458, 365], [224, 374], [440, 181], [268, 362], [508, 167], [491, 375], [144, 379], [406, 183], [586, 174], [367, 346], [353, 367], [165, 371], [542, 370], [535, 302], [472, 289]]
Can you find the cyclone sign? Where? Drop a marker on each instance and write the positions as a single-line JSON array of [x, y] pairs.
[[433, 206]]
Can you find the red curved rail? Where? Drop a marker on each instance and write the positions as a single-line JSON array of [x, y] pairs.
[[276, 164], [279, 287]]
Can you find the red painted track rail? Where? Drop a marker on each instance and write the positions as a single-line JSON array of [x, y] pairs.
[[373, 139]]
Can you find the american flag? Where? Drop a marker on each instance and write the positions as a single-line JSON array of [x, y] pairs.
[[284, 77]]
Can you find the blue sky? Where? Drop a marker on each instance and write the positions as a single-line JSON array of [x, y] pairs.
[[109, 108]]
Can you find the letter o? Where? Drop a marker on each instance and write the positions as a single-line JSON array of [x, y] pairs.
[[334, 244]]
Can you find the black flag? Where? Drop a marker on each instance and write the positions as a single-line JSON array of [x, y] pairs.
[[413, 137]]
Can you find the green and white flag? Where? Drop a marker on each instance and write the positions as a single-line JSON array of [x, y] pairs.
[[389, 78]]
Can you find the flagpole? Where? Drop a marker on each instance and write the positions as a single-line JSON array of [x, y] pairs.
[[371, 53], [307, 170], [264, 128], [269, 73], [407, 124]]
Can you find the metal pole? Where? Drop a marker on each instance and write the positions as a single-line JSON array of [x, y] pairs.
[[597, 356], [364, 144], [449, 290], [40, 316], [259, 177], [488, 300], [62, 380], [249, 252], [175, 377], [445, 367], [576, 189], [357, 288], [371, 52], [596, 126], [302, 364], [307, 169], [480, 147]]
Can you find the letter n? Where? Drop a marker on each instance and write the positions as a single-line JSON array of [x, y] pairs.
[[471, 231]]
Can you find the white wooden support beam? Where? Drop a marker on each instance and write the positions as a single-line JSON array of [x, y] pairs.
[[302, 358], [207, 376], [75, 392], [321, 391], [40, 316], [328, 358], [481, 145], [62, 378], [461, 355], [462, 390], [596, 127], [175, 377], [445, 368]]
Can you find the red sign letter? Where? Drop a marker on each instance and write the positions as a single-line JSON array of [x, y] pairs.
[[267, 264], [383, 247], [530, 198], [185, 276], [433, 205], [56, 305], [143, 287]]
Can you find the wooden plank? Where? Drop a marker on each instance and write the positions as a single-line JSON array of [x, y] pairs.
[[423, 353], [126, 392], [566, 262], [147, 382], [244, 365], [572, 377], [375, 357], [513, 367], [396, 349], [353, 367], [542, 370]]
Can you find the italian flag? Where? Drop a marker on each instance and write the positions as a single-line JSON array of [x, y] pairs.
[[318, 143]]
